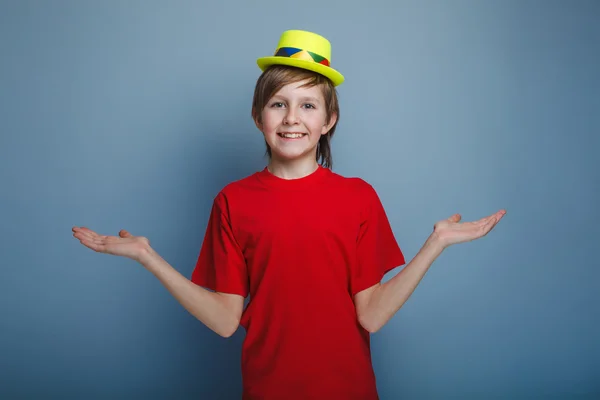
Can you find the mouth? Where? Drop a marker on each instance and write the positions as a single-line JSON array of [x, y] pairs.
[[291, 135]]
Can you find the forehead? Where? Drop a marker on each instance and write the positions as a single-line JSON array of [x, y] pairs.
[[296, 89]]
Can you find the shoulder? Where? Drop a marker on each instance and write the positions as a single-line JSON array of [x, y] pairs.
[[361, 193], [243, 184], [356, 185], [237, 190]]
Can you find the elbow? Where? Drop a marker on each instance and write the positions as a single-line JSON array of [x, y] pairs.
[[226, 334], [369, 325], [372, 328], [229, 329]]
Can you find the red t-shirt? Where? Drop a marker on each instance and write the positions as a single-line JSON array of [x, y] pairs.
[[301, 249]]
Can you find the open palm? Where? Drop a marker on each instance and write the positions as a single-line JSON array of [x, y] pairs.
[[125, 244], [451, 231]]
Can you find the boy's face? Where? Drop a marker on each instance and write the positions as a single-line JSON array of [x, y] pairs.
[[293, 121]]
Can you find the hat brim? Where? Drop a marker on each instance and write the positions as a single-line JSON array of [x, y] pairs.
[[332, 74]]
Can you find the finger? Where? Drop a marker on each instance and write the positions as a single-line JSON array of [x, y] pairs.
[[87, 232], [484, 224], [456, 217], [124, 234], [498, 215], [94, 245], [494, 219], [79, 229], [486, 220], [489, 225], [93, 236], [88, 238], [79, 234], [497, 219]]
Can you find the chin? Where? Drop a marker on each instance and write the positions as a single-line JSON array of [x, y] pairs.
[[294, 156]]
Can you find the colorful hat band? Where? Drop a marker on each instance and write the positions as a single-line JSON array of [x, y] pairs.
[[301, 54]]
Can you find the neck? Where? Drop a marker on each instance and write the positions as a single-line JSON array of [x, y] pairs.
[[292, 169]]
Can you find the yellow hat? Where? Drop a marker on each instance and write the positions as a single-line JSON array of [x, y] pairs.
[[305, 50]]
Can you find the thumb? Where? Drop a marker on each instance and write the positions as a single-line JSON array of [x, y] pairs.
[[455, 218], [124, 234]]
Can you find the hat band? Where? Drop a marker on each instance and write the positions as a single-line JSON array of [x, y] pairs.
[[301, 54]]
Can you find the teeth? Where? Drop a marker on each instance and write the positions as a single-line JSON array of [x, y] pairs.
[[292, 135]]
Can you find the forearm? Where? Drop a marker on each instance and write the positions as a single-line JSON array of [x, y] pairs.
[[211, 308], [389, 297]]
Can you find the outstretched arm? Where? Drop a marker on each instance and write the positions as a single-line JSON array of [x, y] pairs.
[[220, 312], [376, 305]]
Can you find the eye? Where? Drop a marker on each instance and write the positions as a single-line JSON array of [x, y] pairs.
[[277, 104], [310, 106]]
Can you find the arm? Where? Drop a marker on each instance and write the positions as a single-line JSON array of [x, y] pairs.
[[218, 311], [376, 305], [221, 312]]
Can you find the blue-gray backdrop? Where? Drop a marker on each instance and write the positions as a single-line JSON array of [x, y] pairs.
[[133, 114]]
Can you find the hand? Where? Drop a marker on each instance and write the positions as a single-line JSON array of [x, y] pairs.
[[450, 231], [125, 244]]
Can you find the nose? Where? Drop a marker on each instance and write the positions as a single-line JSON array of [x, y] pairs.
[[290, 117]]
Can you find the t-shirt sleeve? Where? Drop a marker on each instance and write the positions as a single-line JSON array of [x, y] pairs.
[[377, 250], [221, 265]]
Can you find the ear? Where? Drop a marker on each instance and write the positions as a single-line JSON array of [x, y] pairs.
[[256, 120], [258, 124], [329, 124]]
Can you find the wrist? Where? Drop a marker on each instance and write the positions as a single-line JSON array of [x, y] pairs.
[[435, 242], [146, 256]]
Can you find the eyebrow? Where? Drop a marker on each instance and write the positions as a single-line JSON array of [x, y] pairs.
[[302, 99]]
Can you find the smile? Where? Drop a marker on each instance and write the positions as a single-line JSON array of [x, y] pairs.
[[291, 135]]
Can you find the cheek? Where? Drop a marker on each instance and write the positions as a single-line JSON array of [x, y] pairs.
[[318, 124], [270, 121]]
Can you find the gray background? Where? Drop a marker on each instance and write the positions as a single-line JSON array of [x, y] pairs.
[[133, 114]]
